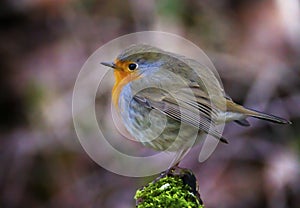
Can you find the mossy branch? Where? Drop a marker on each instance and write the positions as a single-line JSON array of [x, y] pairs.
[[174, 188]]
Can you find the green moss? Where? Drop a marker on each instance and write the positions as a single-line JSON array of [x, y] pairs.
[[167, 192]]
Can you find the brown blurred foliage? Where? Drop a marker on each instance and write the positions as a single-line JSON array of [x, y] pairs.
[[254, 45]]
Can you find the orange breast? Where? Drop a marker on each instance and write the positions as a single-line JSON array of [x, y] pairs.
[[121, 79]]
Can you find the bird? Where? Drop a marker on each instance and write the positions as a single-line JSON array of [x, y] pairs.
[[167, 101]]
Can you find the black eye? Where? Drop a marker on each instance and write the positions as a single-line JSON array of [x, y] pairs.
[[132, 66]]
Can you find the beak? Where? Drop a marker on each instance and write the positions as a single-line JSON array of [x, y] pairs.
[[109, 64]]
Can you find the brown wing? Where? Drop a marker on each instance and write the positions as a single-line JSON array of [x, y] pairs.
[[184, 105]]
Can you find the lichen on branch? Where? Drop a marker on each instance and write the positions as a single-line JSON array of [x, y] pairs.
[[175, 188]]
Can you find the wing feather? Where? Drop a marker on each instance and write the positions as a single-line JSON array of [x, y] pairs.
[[194, 111]]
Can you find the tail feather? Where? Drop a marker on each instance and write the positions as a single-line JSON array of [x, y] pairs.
[[233, 107], [242, 122], [267, 117]]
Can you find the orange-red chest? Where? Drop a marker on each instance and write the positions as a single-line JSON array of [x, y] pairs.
[[121, 79]]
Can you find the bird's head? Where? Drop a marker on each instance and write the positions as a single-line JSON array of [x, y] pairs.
[[136, 58]]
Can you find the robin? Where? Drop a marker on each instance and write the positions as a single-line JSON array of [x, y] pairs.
[[165, 99]]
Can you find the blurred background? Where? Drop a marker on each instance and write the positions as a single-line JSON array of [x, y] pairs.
[[254, 45]]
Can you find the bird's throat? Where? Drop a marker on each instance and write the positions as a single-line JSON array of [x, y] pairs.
[[121, 79]]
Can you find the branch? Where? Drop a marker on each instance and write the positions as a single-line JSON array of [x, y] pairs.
[[176, 187]]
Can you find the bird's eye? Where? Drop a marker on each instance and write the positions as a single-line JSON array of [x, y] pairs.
[[132, 66]]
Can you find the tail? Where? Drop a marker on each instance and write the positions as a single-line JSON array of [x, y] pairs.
[[267, 117], [245, 112]]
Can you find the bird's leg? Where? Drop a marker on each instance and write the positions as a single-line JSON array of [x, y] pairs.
[[169, 172], [174, 168], [178, 157]]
